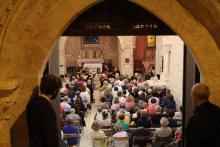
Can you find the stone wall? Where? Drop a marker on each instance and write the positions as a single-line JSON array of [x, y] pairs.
[[126, 44], [28, 29], [75, 43], [72, 50], [171, 49]]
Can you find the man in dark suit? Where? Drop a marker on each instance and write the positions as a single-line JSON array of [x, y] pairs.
[[43, 131], [203, 129]]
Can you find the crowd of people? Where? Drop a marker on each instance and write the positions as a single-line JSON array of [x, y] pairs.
[[129, 102], [125, 102], [131, 108], [76, 98]]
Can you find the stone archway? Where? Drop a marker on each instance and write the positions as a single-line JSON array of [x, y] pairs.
[[29, 28]]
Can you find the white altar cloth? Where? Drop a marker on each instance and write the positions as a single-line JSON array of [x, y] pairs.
[[93, 67]]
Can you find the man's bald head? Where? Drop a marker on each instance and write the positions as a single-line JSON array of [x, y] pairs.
[[200, 91]]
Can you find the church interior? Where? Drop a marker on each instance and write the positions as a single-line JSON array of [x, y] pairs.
[[149, 46]]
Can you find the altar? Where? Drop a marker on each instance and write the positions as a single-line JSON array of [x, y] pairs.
[[93, 67], [94, 64], [91, 58]]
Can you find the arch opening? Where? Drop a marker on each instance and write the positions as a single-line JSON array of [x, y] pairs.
[[204, 68]]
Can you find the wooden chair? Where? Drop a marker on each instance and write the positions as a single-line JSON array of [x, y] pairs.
[[120, 139], [78, 124], [162, 141], [66, 136], [101, 141], [108, 132], [106, 127], [69, 136], [130, 130], [138, 140]]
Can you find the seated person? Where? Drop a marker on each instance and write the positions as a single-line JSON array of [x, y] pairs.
[[115, 105], [108, 95], [65, 104], [106, 118], [121, 121], [151, 109], [140, 131], [96, 133], [178, 138], [156, 117], [104, 104], [126, 119], [98, 114], [70, 129], [121, 98], [122, 107], [142, 119], [156, 98], [120, 133], [134, 114], [114, 91], [178, 116], [129, 103], [73, 115], [162, 135]]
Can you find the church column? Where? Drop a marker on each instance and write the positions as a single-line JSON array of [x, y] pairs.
[[167, 52], [62, 60], [126, 45]]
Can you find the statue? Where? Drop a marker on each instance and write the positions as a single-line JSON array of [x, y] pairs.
[[80, 56], [83, 54], [90, 53], [98, 53]]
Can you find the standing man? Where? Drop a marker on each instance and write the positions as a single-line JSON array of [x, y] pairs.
[[41, 117], [203, 129]]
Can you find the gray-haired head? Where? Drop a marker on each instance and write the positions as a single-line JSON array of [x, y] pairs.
[[72, 110], [164, 122], [77, 92]]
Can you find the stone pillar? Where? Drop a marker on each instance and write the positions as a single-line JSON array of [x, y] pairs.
[[126, 45], [171, 49], [159, 56], [54, 60], [167, 52], [191, 76], [54, 68], [62, 60]]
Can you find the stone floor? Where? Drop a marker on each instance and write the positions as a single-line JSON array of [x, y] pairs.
[[85, 137]]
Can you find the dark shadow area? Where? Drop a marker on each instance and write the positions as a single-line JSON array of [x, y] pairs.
[[19, 131], [117, 17]]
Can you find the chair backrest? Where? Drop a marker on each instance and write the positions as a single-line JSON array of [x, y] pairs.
[[140, 140], [76, 123], [108, 132], [121, 138], [106, 127], [100, 141], [163, 139], [120, 142], [67, 136]]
